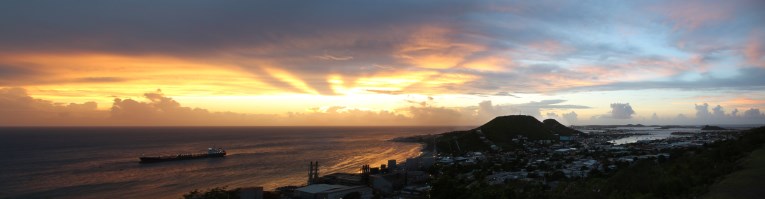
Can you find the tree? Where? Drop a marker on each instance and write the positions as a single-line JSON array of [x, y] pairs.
[[661, 159], [557, 175], [352, 195]]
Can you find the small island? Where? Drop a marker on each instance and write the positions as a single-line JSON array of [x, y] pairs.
[[712, 128]]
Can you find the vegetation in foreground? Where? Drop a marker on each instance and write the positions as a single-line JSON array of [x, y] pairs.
[[744, 183]]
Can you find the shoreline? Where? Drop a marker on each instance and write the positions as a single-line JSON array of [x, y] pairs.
[[425, 150], [427, 144]]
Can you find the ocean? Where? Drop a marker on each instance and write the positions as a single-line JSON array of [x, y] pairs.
[[651, 133], [102, 162], [656, 133]]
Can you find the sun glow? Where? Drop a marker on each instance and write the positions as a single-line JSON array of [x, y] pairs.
[[101, 77]]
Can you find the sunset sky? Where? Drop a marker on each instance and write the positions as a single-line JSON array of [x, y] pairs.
[[380, 62]]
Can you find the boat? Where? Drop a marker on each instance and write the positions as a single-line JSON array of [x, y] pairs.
[[211, 153]]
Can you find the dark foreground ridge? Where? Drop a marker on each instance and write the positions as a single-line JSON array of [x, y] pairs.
[[744, 183]]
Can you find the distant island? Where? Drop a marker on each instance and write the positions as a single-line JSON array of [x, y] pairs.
[[713, 128]]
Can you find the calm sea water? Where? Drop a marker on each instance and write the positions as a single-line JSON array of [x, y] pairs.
[[654, 133], [102, 162]]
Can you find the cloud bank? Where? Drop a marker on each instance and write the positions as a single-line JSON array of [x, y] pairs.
[[17, 108], [156, 109]]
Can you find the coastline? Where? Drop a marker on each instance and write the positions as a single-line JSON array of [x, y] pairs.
[[426, 142]]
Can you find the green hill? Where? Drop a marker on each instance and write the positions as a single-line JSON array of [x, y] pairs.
[[458, 142], [559, 128], [505, 128], [501, 131]]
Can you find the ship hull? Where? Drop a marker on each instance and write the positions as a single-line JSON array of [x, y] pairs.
[[155, 159]]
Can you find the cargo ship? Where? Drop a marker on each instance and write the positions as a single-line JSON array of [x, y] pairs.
[[211, 153]]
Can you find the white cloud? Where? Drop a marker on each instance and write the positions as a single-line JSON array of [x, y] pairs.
[[621, 111]]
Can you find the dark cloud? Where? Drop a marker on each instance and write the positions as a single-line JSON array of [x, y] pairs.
[[24, 74], [621, 111], [16, 75], [7, 71], [149, 26]]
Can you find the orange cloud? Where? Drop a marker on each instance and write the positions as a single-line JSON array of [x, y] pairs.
[[290, 79], [392, 81], [442, 83], [430, 47], [490, 63], [84, 77], [753, 51], [743, 101], [691, 15], [552, 82], [636, 70], [337, 84]]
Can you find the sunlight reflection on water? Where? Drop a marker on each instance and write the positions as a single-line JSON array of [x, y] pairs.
[[103, 162]]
